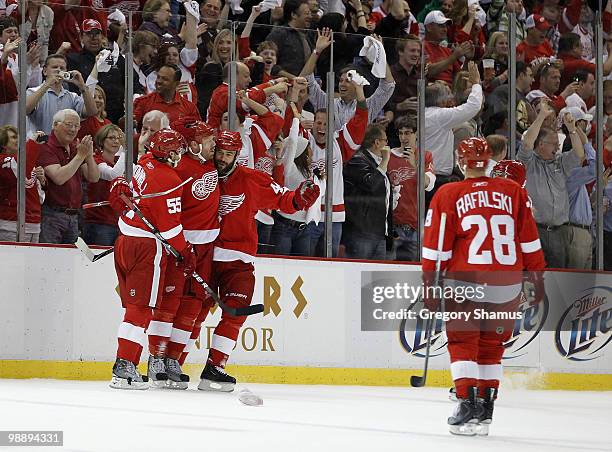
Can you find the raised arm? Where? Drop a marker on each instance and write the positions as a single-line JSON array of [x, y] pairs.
[[577, 146], [533, 131], [324, 39]]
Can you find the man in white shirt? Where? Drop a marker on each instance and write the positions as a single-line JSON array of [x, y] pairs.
[[441, 119]]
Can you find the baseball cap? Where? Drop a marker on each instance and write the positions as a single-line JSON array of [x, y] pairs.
[[90, 25], [537, 21], [436, 17], [577, 113]]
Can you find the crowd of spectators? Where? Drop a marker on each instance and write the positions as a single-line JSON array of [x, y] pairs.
[[75, 105]]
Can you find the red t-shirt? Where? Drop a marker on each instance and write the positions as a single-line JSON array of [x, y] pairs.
[[69, 194], [531, 53], [571, 65], [97, 192], [179, 109], [437, 53], [90, 126], [403, 175]]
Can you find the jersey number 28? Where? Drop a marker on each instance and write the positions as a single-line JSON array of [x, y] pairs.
[[502, 231]]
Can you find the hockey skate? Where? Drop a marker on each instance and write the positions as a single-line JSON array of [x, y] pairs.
[[157, 372], [126, 376], [465, 418], [486, 417], [214, 378], [176, 378]]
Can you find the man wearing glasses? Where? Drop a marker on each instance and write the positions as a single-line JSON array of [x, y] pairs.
[[65, 163], [547, 173]]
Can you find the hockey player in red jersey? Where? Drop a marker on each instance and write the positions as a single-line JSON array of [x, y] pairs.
[[175, 316], [140, 260], [511, 169], [489, 236], [244, 191]]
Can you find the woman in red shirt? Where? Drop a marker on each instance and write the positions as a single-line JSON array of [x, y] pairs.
[[91, 125], [467, 26], [100, 226]]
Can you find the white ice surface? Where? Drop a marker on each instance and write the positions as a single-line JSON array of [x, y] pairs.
[[298, 418]]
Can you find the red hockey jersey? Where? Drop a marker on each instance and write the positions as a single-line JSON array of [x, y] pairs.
[[200, 200], [489, 230], [8, 187], [163, 212], [243, 193]]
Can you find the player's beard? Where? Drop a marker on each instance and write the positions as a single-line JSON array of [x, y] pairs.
[[227, 168]]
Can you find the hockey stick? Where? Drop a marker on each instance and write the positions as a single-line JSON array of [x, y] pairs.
[[415, 380], [237, 312], [147, 196], [88, 252]]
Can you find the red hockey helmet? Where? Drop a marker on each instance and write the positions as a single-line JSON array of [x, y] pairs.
[[474, 152], [511, 169], [229, 141], [165, 141], [193, 130]]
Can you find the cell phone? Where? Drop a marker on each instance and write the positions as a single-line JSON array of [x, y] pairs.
[[42, 138]]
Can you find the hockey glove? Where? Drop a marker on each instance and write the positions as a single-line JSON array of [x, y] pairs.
[[537, 279], [306, 195], [189, 261], [118, 188]]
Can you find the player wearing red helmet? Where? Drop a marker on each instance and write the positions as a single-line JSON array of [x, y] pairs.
[[167, 146], [244, 191], [489, 237], [176, 323], [511, 169], [140, 260], [474, 153]]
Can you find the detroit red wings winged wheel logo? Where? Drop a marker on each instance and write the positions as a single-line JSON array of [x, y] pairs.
[[229, 203], [204, 186]]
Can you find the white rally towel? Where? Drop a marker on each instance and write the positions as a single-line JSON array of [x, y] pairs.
[[270, 4], [235, 6], [314, 212], [354, 76], [117, 16], [374, 52], [193, 8]]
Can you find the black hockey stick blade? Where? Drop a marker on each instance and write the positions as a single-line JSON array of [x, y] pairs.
[[88, 252], [236, 312], [102, 254], [419, 381], [416, 381]]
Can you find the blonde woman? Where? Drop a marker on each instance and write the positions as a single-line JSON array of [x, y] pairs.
[[211, 74], [100, 226], [497, 51], [91, 125]]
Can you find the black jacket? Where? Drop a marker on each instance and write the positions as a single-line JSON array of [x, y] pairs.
[[112, 81], [364, 197]]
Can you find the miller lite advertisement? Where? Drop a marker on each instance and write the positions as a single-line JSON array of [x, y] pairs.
[[574, 317]]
